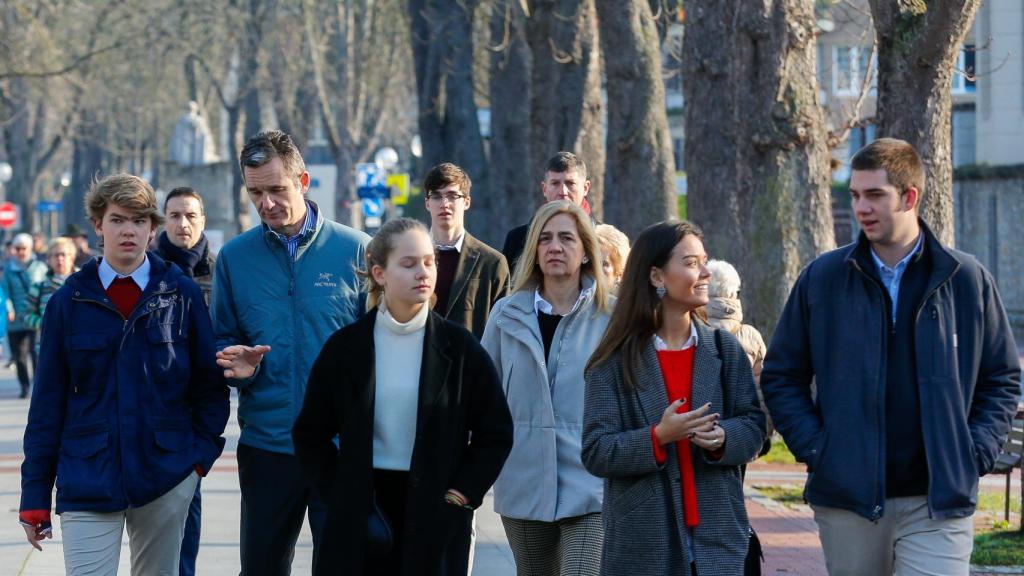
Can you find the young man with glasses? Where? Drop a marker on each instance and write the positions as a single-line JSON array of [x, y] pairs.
[[471, 276]]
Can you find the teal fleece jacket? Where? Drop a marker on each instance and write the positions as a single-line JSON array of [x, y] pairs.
[[260, 297]]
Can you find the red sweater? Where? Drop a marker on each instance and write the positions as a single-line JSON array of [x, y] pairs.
[[677, 371]]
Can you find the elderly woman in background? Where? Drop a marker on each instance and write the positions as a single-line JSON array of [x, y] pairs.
[[725, 311], [614, 252], [540, 338], [60, 256]]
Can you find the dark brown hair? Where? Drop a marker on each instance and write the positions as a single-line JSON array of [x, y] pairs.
[[186, 192], [564, 162], [901, 163], [445, 175], [637, 315], [270, 144]]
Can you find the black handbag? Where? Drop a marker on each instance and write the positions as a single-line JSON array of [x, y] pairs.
[[755, 556], [380, 539], [752, 564]]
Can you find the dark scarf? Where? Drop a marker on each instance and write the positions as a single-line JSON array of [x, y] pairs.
[[194, 262]]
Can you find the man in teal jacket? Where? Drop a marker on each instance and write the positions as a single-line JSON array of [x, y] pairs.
[[280, 290]]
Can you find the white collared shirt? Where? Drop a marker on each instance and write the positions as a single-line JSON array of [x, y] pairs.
[[660, 344], [542, 305], [140, 275], [457, 245]]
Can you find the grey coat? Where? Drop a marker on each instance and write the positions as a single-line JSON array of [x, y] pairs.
[[543, 478], [643, 508]]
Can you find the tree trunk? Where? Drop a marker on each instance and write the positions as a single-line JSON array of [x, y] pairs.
[[442, 44], [513, 184], [640, 176], [566, 98], [756, 137], [918, 45]]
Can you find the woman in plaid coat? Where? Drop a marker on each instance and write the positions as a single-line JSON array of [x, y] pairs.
[[670, 415]]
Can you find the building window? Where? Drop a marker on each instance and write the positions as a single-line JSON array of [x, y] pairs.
[[849, 65], [963, 75]]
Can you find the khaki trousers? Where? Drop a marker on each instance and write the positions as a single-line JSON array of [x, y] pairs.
[[904, 542], [92, 540]]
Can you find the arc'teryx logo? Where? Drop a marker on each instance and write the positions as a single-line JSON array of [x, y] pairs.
[[323, 280]]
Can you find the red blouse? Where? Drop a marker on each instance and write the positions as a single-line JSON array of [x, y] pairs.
[[677, 371]]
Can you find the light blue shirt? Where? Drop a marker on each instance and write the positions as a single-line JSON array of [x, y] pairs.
[[140, 275], [292, 242], [891, 277]]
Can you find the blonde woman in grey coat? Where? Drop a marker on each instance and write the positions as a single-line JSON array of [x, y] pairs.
[[669, 418], [540, 338]]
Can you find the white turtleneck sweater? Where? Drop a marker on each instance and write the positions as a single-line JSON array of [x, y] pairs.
[[398, 354]]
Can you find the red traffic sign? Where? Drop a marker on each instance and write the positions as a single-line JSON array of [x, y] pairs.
[[8, 215]]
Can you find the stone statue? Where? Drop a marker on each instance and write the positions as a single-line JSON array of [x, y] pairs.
[[192, 141]]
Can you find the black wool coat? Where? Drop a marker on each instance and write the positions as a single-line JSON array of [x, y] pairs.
[[463, 435]]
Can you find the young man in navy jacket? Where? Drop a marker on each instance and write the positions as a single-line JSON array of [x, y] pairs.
[[129, 404], [917, 379]]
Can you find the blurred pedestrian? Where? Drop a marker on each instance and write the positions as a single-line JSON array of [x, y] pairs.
[[614, 253], [725, 311], [60, 257], [670, 415], [130, 406], [540, 337], [280, 290], [39, 245], [20, 273], [81, 240], [417, 410]]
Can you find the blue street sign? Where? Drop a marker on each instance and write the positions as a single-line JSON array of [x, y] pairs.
[[48, 206], [375, 192], [373, 207], [369, 175]]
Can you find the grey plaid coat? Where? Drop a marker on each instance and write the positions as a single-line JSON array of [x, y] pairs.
[[643, 508]]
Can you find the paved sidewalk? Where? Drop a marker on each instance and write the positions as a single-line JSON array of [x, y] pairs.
[[219, 549], [789, 538]]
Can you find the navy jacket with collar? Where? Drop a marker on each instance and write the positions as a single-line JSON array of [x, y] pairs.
[[833, 331], [122, 409]]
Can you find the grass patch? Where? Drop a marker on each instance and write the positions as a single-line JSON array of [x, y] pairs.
[[999, 548], [779, 454], [995, 502], [783, 494], [681, 205]]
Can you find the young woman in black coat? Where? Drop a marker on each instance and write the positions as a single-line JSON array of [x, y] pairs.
[[404, 414]]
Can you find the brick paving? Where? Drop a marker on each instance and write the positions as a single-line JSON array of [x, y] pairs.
[[789, 538]]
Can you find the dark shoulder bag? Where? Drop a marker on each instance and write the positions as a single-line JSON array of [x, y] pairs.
[[755, 556]]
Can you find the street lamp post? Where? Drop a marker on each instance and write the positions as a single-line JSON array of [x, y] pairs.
[[6, 172]]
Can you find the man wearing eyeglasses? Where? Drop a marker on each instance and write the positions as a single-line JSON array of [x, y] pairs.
[[565, 178], [471, 276]]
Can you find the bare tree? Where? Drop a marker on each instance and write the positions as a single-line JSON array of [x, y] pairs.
[[356, 54], [567, 112], [756, 138], [513, 182], [918, 45], [639, 178], [442, 47]]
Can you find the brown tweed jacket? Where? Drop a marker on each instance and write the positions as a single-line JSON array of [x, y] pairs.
[[643, 509], [481, 279]]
